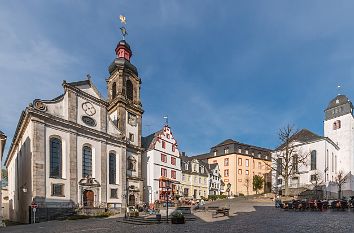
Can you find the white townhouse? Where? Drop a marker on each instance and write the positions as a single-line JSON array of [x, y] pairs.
[[79, 149], [214, 179], [161, 166]]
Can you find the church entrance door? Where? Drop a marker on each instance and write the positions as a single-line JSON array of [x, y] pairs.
[[132, 200], [88, 198]]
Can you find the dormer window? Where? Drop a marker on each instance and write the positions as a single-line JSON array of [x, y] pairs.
[[226, 150], [214, 153], [186, 166]]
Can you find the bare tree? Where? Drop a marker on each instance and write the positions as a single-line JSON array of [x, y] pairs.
[[317, 181], [288, 158], [247, 184], [340, 179]]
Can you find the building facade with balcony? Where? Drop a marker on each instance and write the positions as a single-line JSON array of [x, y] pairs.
[[161, 166]]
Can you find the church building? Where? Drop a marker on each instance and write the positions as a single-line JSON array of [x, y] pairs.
[[79, 150]]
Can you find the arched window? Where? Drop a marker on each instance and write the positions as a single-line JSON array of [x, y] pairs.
[[86, 161], [313, 160], [112, 168], [114, 90], [131, 163], [55, 158], [130, 89]]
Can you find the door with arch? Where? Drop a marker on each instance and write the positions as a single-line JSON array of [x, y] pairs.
[[88, 198], [132, 200]]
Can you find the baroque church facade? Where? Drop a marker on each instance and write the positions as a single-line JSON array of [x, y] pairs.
[[79, 149]]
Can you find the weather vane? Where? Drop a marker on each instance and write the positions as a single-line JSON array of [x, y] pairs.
[[166, 119], [123, 29]]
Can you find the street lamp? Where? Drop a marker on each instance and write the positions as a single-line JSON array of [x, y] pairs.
[[167, 188]]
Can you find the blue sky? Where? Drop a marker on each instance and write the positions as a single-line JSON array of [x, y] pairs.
[[219, 70]]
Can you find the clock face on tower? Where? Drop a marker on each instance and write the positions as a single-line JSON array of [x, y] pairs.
[[88, 108]]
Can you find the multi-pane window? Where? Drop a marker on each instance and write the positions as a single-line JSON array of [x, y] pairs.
[[114, 193], [173, 148], [86, 161], [246, 172], [55, 158], [240, 171], [173, 160], [164, 172], [226, 172], [313, 160], [240, 161], [58, 190], [163, 144], [214, 153], [112, 168], [226, 150], [173, 174], [247, 162], [226, 162], [164, 158]]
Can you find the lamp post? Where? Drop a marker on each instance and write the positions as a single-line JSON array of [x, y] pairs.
[[167, 203]]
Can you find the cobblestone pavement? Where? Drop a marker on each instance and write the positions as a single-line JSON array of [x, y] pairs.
[[258, 217]]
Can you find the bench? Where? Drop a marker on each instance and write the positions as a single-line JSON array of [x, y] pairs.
[[223, 211]]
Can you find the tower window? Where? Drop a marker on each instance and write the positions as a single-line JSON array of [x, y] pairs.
[[336, 125], [114, 90], [130, 89]]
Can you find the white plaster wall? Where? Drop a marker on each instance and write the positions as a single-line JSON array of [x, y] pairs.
[[305, 171], [343, 137], [12, 170], [58, 109]]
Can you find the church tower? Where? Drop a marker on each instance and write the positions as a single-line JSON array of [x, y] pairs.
[[125, 110], [123, 87], [338, 126]]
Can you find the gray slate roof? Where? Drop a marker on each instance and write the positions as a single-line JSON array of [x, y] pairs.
[[337, 101]]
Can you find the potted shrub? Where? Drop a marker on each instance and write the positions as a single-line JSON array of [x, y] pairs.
[[177, 218]]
